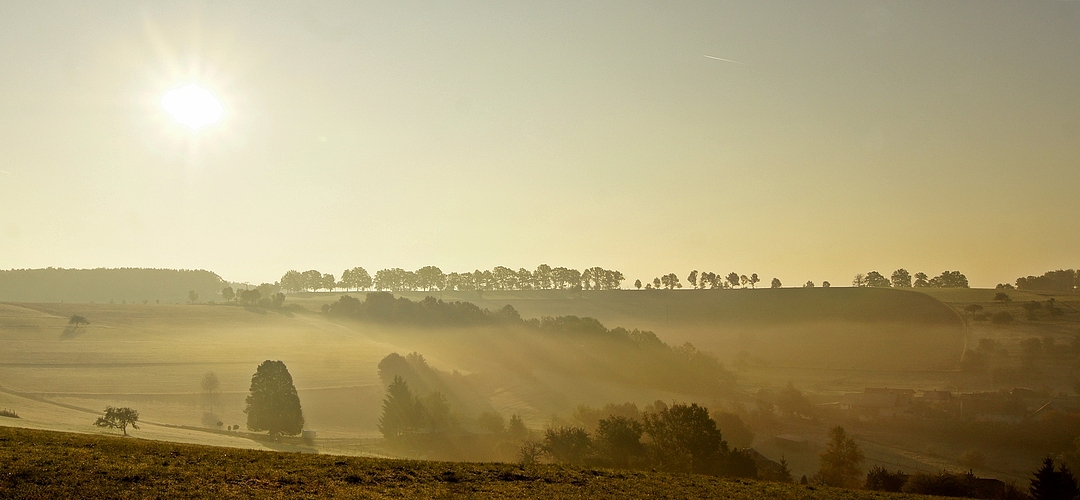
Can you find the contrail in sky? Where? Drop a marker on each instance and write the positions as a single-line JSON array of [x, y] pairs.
[[722, 59]]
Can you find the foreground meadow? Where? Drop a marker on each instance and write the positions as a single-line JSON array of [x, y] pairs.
[[39, 464]]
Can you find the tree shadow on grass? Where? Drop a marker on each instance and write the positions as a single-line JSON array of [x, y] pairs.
[[71, 332]]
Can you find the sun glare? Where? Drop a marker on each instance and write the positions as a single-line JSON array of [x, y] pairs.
[[193, 106]]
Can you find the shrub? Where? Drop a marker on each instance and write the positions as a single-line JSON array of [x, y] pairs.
[[880, 479], [569, 445], [1001, 318], [942, 484]]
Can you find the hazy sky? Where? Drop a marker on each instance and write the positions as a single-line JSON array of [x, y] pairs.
[[850, 136]]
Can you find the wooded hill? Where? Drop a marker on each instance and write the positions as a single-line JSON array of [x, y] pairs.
[[105, 285]]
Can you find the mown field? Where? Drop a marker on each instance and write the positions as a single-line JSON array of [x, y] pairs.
[[41, 464]]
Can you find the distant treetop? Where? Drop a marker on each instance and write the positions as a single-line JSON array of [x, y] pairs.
[[1062, 280], [431, 278]]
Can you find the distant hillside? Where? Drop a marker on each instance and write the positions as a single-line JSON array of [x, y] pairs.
[[104, 285], [44, 464], [851, 328]]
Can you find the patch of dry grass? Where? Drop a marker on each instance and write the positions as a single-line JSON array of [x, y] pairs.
[[44, 464]]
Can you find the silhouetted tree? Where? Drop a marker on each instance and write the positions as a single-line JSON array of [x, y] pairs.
[[875, 279], [901, 278], [228, 294], [859, 280], [119, 418], [880, 479], [618, 441], [312, 280], [808, 284], [77, 320], [637, 284], [516, 428], [825, 284], [670, 281], [1062, 280], [754, 280], [692, 278], [686, 438], [921, 280], [1002, 297], [192, 297], [272, 403], [402, 414], [1050, 484], [841, 462], [210, 385], [776, 283], [569, 445], [356, 278], [292, 281], [430, 278], [543, 277], [949, 279], [733, 279]]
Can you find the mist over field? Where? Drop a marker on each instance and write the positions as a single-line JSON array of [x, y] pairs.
[[724, 248]]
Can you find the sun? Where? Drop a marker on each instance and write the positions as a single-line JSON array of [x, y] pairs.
[[193, 106]]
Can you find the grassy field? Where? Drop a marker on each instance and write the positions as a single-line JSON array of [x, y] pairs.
[[826, 341], [40, 464]]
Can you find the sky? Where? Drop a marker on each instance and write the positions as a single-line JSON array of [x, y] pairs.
[[800, 140]]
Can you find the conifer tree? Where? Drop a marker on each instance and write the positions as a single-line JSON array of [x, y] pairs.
[[273, 404], [402, 413]]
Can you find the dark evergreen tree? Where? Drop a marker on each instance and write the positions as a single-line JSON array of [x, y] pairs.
[[402, 414], [273, 404], [1050, 484]]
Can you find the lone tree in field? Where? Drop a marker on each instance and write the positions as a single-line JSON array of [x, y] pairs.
[[273, 404], [77, 320], [841, 462], [119, 418], [776, 283], [192, 297], [210, 385]]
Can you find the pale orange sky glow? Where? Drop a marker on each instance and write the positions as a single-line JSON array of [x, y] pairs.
[[848, 137]]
